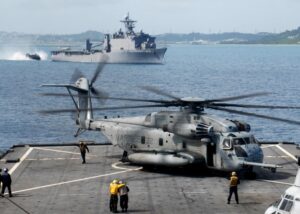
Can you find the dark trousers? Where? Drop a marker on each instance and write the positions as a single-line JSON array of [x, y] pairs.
[[83, 156], [235, 191], [113, 203], [4, 187], [124, 202]]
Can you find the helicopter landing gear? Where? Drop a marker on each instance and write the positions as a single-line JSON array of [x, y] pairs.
[[124, 157]]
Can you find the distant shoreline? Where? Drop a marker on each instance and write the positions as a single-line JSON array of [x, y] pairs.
[[288, 37]]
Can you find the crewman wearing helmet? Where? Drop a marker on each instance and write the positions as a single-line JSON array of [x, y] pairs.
[[83, 148], [113, 190], [123, 192], [6, 182], [234, 181]]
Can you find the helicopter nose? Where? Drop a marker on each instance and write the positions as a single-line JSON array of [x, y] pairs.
[[255, 154]]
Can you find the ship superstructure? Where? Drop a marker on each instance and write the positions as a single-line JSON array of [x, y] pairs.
[[121, 47]]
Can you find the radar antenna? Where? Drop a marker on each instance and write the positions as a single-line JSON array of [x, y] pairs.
[[129, 24]]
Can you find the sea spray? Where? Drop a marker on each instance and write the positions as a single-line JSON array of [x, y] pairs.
[[20, 55]]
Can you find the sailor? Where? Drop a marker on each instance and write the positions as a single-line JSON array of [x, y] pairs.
[[123, 192], [83, 148], [113, 190], [234, 181], [6, 182]]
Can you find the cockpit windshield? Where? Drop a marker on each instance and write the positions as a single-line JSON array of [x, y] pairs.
[[229, 142]]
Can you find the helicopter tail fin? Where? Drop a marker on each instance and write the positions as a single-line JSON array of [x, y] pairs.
[[83, 104]]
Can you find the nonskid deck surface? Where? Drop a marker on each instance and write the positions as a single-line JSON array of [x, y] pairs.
[[53, 180]]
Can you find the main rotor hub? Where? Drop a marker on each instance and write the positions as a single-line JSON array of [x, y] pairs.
[[192, 99]]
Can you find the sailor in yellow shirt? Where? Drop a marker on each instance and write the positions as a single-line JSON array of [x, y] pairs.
[[234, 181], [114, 190]]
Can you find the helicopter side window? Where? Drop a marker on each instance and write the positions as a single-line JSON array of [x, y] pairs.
[[161, 142], [226, 144], [183, 144], [143, 140], [276, 203]]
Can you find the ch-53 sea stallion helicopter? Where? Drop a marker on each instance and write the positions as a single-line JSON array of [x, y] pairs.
[[172, 138]]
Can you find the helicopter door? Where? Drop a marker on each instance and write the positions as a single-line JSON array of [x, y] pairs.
[[210, 152]]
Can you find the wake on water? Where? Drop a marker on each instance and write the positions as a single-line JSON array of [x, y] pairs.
[[19, 55]]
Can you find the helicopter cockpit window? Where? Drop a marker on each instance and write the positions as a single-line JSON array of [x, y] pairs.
[[238, 141], [276, 203], [286, 205], [241, 141], [226, 144], [289, 197]]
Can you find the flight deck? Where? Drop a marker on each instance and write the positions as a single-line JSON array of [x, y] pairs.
[[51, 179]]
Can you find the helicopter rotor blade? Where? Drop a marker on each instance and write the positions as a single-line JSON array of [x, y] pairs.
[[58, 111], [238, 97], [101, 95], [294, 122], [107, 97], [98, 70], [254, 106], [159, 92]]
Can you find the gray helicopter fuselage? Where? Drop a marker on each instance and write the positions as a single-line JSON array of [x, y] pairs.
[[180, 138]]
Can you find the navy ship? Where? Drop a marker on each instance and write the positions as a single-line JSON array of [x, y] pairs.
[[120, 47]]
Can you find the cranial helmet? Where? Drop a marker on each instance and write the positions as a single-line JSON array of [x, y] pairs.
[[115, 181], [233, 173]]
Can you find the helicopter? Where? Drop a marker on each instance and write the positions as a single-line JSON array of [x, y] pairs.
[[172, 138], [289, 202]]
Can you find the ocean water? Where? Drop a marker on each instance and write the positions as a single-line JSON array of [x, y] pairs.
[[207, 71]]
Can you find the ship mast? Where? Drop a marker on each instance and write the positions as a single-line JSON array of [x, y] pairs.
[[129, 25]]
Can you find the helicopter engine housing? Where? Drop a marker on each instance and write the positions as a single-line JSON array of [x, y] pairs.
[[189, 130], [242, 126]]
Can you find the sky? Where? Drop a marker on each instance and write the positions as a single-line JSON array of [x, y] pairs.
[[153, 16]]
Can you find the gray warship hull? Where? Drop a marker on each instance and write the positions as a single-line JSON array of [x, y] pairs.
[[155, 56]]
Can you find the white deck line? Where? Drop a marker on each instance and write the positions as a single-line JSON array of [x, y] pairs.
[[276, 182], [21, 160], [76, 180], [61, 151], [264, 147], [287, 153]]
